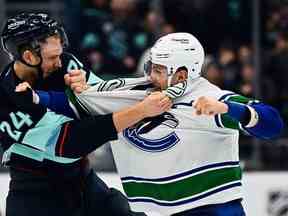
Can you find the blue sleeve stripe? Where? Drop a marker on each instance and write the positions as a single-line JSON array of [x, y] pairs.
[[44, 98], [237, 111], [57, 102]]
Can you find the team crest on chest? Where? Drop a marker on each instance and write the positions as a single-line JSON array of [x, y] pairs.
[[134, 135]]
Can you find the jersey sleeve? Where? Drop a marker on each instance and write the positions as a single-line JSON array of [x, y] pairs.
[[251, 116], [72, 63], [225, 120], [80, 137]]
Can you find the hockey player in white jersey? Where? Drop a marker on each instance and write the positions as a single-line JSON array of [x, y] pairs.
[[184, 162]]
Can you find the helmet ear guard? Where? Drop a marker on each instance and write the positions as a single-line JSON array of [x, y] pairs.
[[178, 50]]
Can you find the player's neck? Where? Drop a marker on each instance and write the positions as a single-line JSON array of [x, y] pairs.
[[25, 73]]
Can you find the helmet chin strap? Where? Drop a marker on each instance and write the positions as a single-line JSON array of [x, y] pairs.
[[38, 66], [30, 65]]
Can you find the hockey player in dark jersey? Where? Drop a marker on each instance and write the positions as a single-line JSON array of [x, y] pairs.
[[46, 152]]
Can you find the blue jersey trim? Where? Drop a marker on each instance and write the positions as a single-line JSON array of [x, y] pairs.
[[57, 102]]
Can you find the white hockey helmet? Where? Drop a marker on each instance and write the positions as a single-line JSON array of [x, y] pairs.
[[177, 50]]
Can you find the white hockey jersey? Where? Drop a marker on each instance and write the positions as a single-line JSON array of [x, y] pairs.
[[176, 161]]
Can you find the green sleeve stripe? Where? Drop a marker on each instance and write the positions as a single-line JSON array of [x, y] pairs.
[[228, 122], [239, 99], [225, 120]]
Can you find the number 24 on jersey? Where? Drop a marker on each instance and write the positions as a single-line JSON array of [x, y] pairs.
[[18, 120]]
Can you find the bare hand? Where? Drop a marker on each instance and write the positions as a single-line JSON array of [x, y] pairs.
[[155, 104], [76, 80], [209, 106], [24, 86]]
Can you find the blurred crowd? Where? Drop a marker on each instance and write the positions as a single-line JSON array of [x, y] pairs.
[[115, 36], [276, 59]]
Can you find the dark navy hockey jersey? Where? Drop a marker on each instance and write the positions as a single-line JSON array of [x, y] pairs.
[[32, 134]]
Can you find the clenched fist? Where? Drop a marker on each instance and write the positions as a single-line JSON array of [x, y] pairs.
[[155, 104], [24, 86], [76, 80], [209, 106]]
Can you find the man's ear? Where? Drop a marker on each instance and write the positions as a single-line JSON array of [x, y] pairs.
[[30, 57]]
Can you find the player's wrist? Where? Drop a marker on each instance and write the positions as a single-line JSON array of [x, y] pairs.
[[224, 108], [141, 110]]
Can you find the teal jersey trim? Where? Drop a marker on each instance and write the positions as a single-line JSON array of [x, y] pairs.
[[34, 154], [45, 130], [39, 143], [93, 79]]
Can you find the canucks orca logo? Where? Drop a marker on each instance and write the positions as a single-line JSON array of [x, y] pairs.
[[133, 134]]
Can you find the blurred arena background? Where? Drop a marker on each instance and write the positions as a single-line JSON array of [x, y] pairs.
[[246, 44]]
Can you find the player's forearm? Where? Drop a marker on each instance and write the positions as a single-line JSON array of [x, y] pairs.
[[58, 102], [259, 120], [128, 117], [80, 137]]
